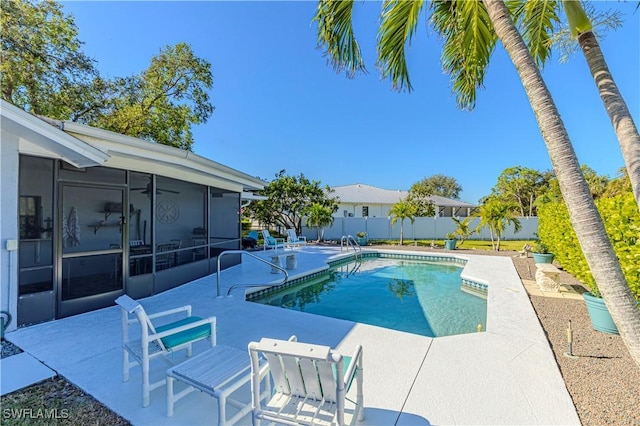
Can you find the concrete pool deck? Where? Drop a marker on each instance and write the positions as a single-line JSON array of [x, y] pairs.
[[505, 375]]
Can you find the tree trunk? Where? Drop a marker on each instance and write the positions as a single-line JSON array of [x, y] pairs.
[[585, 218], [621, 119]]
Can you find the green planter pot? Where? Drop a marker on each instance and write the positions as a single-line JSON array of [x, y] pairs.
[[600, 317], [362, 241], [450, 244], [543, 257]]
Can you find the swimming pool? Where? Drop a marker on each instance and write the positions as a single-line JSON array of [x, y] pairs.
[[407, 295]]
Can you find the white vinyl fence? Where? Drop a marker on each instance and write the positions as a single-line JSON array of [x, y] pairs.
[[423, 228]]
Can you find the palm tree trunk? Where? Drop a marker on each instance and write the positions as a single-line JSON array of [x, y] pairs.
[[584, 216], [621, 119]]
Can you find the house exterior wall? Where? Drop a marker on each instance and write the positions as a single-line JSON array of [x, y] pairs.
[[9, 225], [355, 210], [86, 176], [382, 210]]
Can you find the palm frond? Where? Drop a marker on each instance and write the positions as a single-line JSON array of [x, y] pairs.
[[399, 20], [468, 42], [602, 21], [537, 22], [336, 37]]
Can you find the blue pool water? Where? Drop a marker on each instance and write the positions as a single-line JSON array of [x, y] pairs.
[[416, 297]]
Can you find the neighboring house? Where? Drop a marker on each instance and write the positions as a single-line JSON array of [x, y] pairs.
[[88, 214], [362, 200]]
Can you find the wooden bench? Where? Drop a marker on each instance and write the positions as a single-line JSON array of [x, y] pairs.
[[547, 277]]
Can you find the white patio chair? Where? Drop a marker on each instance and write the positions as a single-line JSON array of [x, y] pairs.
[[526, 251], [159, 340], [293, 240], [310, 383], [271, 242]]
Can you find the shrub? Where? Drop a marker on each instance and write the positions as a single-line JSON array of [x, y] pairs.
[[622, 223]]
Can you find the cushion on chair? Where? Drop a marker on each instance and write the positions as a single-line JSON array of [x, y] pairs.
[[271, 241], [184, 336]]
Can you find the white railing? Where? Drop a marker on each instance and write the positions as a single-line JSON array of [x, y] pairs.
[[235, 286], [348, 241]]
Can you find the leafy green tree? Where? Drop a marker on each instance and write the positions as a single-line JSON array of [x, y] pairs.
[[42, 67], [44, 71], [319, 216], [621, 184], [598, 185], [421, 191], [163, 102], [421, 201], [290, 198], [521, 185], [444, 186], [402, 210], [496, 215], [470, 31]]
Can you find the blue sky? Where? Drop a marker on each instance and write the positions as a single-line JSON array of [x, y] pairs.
[[280, 106]]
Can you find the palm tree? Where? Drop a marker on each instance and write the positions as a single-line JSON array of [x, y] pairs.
[[621, 119], [585, 218], [402, 210], [319, 216], [463, 229], [537, 21], [497, 215], [471, 30]]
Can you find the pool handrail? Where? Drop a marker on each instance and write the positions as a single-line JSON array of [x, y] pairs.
[[241, 252], [349, 240]]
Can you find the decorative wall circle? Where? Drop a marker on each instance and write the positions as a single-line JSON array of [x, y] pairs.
[[167, 211]]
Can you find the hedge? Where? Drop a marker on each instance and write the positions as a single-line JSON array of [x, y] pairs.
[[622, 223]]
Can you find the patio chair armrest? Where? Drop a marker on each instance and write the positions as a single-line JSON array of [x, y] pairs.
[[279, 240], [172, 331], [356, 362], [185, 308]]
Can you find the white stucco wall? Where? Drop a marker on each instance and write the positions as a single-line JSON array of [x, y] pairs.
[[8, 224]]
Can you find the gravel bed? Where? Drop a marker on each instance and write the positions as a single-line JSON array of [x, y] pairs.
[[603, 381]]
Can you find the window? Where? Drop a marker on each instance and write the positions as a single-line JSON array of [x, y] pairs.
[[365, 211], [36, 225]]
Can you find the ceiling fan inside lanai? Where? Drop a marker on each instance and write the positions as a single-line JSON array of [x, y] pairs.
[[148, 191]]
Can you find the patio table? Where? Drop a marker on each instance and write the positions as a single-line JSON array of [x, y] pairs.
[[219, 372]]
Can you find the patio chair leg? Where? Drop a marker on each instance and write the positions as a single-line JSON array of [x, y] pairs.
[[222, 412], [125, 366], [145, 383], [169, 396]]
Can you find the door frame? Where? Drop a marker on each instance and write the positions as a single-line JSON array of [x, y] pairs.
[[65, 308]]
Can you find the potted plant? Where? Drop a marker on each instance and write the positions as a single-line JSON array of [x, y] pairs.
[[541, 253], [601, 319], [362, 238], [450, 241]]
